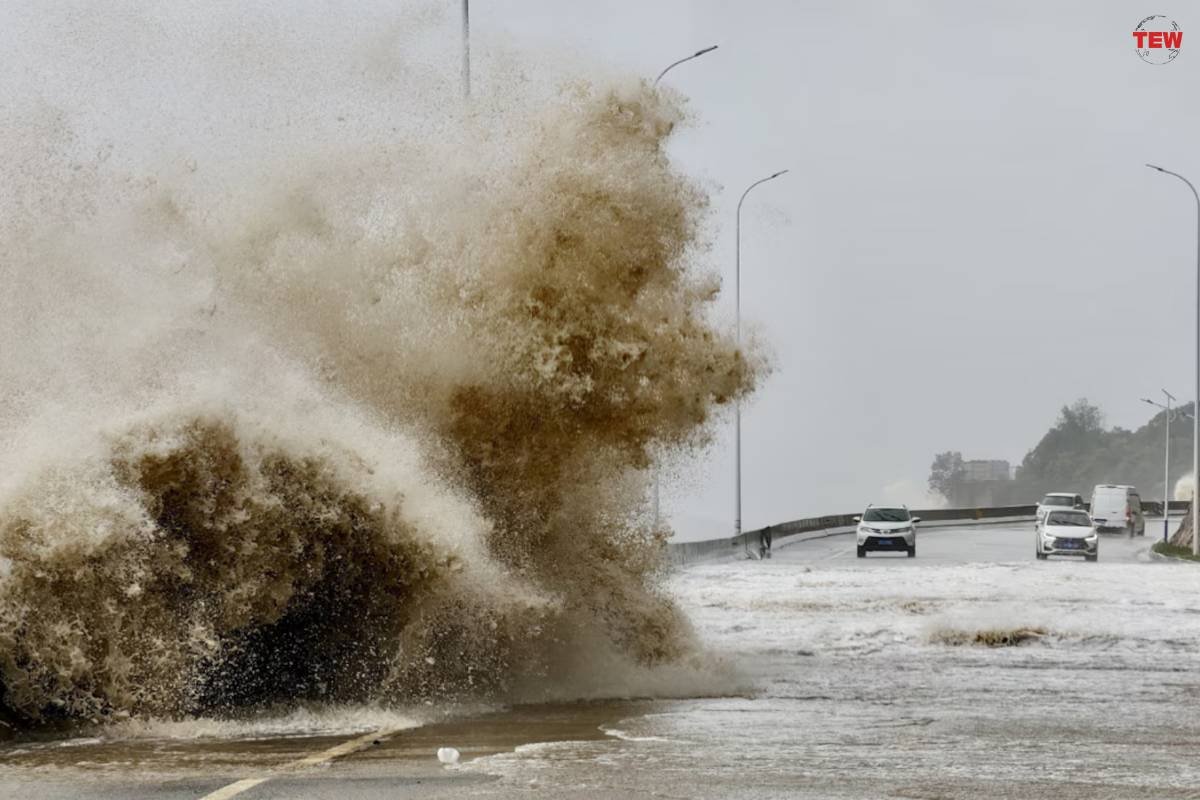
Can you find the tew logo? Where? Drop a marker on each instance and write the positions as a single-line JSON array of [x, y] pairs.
[[1157, 39]]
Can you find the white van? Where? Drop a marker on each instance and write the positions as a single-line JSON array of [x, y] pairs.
[[1117, 508]]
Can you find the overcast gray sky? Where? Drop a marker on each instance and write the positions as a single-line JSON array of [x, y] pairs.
[[967, 240]]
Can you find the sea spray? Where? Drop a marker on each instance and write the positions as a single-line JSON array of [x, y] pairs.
[[371, 426]]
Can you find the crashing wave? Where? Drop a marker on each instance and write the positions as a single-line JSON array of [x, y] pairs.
[[371, 430]]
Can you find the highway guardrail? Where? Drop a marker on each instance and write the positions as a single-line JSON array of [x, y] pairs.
[[750, 543]]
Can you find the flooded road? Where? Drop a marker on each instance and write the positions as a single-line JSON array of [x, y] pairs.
[[970, 671]]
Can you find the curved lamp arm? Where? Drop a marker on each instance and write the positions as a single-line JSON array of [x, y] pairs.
[[670, 67]]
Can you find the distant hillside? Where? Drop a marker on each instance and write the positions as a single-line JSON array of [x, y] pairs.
[[1075, 455]]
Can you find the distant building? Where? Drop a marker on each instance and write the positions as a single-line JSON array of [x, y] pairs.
[[983, 471], [985, 482]]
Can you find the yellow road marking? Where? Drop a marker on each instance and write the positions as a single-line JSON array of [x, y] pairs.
[[234, 789], [343, 749]]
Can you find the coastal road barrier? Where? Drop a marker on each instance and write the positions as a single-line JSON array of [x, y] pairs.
[[749, 544]]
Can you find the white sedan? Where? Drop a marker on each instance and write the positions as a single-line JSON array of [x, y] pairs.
[[1066, 532]]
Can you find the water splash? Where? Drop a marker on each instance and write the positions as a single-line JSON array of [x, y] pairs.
[[1185, 487], [367, 423]]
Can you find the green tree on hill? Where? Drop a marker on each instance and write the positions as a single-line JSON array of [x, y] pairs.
[[947, 474], [1076, 445], [1078, 452]]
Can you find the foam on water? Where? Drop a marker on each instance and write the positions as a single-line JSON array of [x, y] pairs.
[[338, 393], [1057, 610], [339, 720]]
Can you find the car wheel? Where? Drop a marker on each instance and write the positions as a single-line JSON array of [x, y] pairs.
[[862, 551], [1040, 555], [912, 551], [1092, 558]]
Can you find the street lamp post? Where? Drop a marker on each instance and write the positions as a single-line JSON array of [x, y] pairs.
[[466, 48], [1196, 417], [670, 66], [737, 305], [1166, 460]]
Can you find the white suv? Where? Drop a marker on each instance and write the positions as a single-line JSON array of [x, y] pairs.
[[891, 529], [1053, 500]]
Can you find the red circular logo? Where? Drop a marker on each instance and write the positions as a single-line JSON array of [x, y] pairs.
[[1158, 39]]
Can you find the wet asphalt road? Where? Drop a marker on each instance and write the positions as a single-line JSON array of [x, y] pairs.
[[845, 678]]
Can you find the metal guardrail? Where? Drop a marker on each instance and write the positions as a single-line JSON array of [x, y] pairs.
[[751, 542], [1154, 507]]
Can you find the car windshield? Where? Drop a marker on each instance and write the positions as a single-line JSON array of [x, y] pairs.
[[1069, 518], [1057, 500], [886, 515]]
